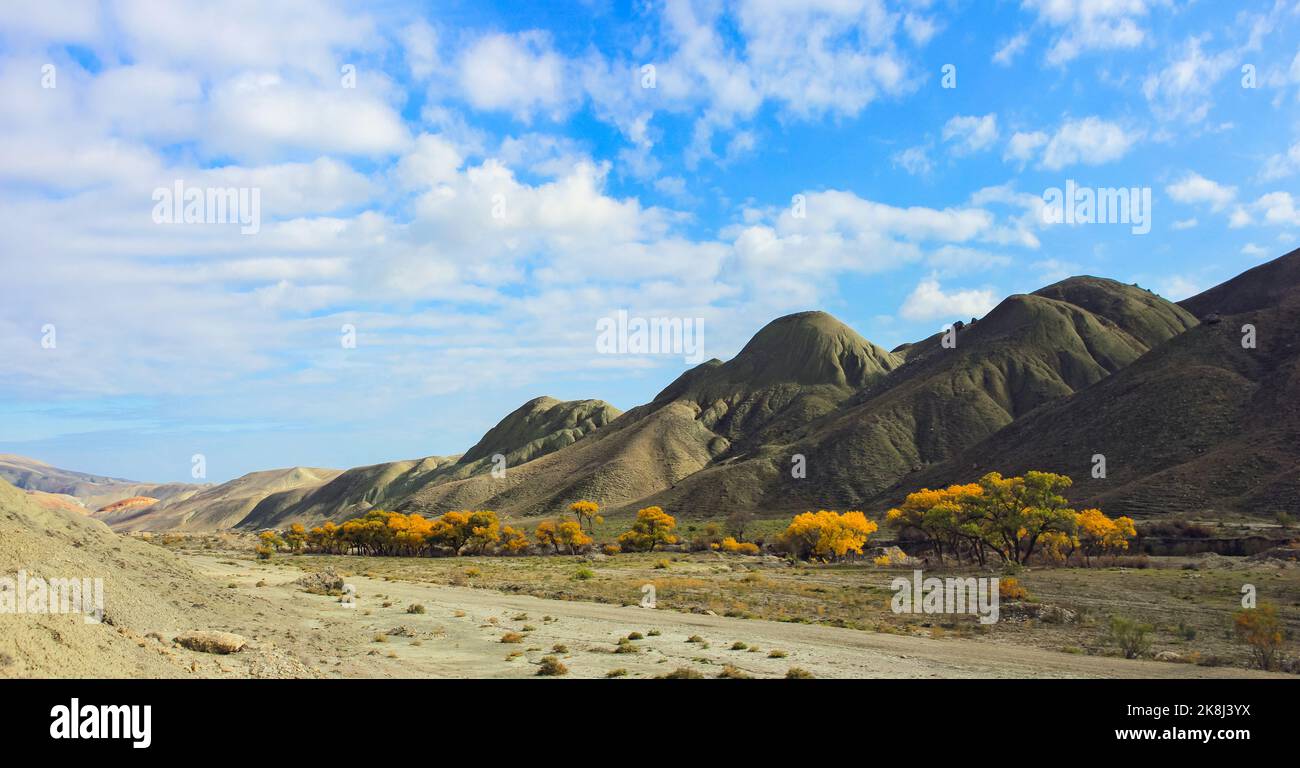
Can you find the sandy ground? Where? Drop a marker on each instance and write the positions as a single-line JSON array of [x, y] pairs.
[[460, 633]]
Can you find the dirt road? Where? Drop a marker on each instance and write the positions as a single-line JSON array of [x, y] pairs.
[[460, 635]]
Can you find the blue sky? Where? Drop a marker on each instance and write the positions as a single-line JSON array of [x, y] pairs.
[[922, 203]]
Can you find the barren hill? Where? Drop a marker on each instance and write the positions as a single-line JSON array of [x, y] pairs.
[[1199, 426], [220, 506], [537, 428], [1030, 350]]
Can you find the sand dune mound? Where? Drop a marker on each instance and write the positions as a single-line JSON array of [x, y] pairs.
[[146, 591]]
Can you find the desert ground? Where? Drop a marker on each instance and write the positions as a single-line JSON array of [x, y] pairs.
[[578, 609]]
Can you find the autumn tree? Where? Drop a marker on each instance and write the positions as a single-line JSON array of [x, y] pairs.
[[569, 534], [943, 518], [1099, 534], [547, 534], [587, 512], [296, 537], [653, 527], [513, 541], [1014, 513], [1261, 629], [827, 535]]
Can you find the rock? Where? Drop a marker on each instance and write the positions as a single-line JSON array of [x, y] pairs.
[[326, 582], [205, 641], [401, 631]]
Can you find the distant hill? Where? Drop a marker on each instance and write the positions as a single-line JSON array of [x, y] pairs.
[[94, 491], [220, 506]]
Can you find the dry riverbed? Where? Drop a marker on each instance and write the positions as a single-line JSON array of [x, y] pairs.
[[495, 629]]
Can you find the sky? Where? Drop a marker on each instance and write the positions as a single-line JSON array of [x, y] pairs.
[[452, 195]]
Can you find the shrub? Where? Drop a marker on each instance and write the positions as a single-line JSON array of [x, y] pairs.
[[616, 673], [560, 648], [611, 549], [730, 672], [583, 574], [694, 639], [777, 654], [1010, 588], [681, 673], [1132, 637], [796, 673], [550, 666], [738, 646], [729, 544], [1261, 629], [415, 608], [635, 636], [512, 637]]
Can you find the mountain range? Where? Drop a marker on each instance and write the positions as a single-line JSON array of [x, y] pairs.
[[1184, 415]]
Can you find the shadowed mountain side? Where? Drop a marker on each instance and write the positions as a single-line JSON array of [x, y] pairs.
[[796, 369], [537, 428], [629, 459], [1028, 351], [1200, 426], [221, 506]]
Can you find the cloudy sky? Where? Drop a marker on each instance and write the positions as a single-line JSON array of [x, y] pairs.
[[472, 185]]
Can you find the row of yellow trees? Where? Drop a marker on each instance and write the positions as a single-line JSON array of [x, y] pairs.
[[1012, 517], [476, 532], [1015, 518]]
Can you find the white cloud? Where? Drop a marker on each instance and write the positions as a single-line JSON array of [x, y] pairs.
[[1280, 166], [914, 160], [928, 301], [1182, 224], [1182, 89], [970, 134], [1024, 145], [1254, 251], [1090, 25], [255, 116], [1196, 189], [1009, 50], [1090, 141], [1178, 287], [521, 74]]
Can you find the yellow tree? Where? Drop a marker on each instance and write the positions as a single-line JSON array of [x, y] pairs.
[[1014, 513], [569, 533], [587, 512], [653, 527], [940, 516], [513, 541], [484, 531], [1099, 534], [827, 535], [296, 536], [547, 535]]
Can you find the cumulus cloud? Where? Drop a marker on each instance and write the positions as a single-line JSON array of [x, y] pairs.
[[969, 134], [520, 74], [929, 301], [1083, 26], [1196, 189], [1090, 141]]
